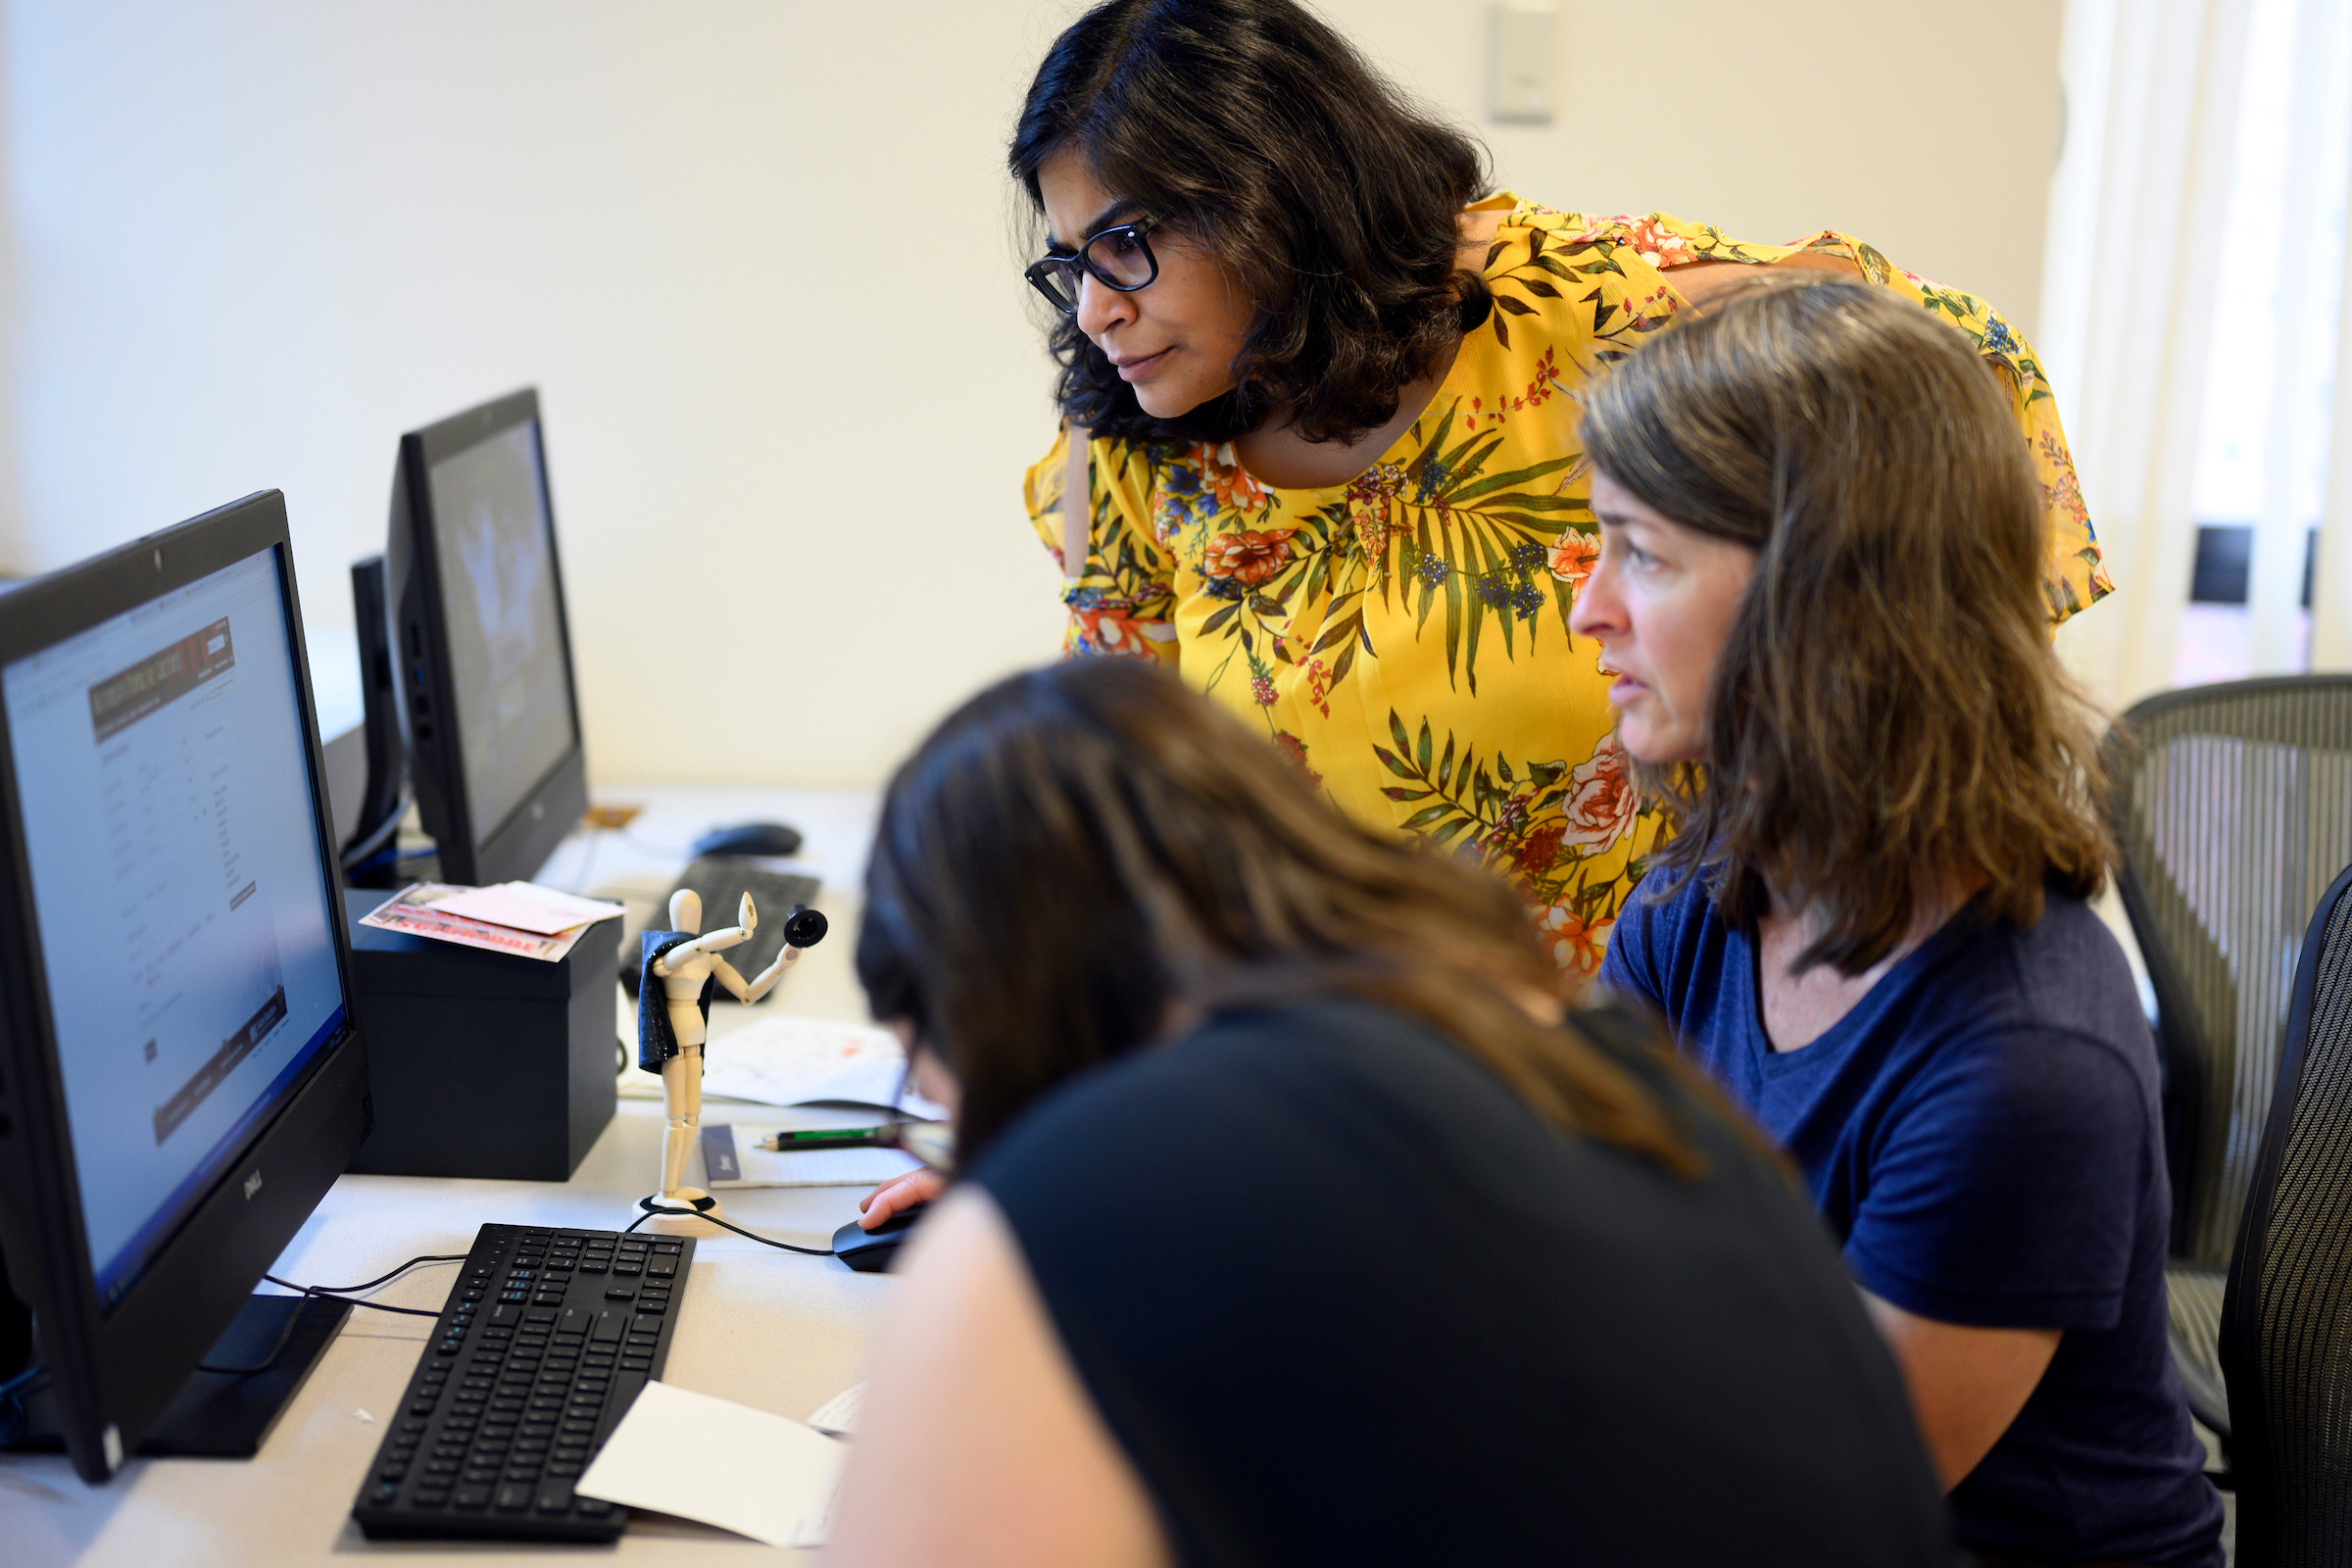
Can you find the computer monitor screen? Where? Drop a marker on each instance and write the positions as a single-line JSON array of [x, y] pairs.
[[506, 627], [181, 1078], [179, 895], [476, 598]]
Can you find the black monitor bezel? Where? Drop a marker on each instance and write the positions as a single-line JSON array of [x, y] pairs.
[[113, 1368], [517, 846]]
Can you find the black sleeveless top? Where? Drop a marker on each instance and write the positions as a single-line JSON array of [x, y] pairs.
[[1342, 1297]]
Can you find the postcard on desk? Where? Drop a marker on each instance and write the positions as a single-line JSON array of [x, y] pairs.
[[417, 911], [720, 1463], [733, 1158]]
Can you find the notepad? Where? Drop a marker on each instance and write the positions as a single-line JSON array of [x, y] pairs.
[[727, 1464], [732, 1158], [788, 1061]]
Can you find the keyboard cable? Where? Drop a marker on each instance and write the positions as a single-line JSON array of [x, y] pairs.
[[345, 1294]]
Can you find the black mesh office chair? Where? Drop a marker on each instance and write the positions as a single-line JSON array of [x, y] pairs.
[[2233, 807], [2286, 1326]]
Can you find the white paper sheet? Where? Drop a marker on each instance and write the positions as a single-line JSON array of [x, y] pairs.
[[788, 1061], [838, 1416], [722, 1463], [527, 907]]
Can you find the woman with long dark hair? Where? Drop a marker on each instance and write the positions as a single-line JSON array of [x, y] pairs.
[[1821, 591], [1533, 1295], [1318, 383]]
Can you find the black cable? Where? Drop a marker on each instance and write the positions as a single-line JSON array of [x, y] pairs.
[[786, 1246], [364, 848], [381, 1278], [328, 1293]]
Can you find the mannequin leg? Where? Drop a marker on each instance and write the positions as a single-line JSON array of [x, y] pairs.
[[682, 1089]]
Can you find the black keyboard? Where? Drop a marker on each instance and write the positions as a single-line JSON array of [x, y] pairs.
[[546, 1339]]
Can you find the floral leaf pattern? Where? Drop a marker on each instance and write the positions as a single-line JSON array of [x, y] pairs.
[[1403, 637]]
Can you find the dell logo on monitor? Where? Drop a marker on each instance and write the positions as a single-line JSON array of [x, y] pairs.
[[252, 1185]]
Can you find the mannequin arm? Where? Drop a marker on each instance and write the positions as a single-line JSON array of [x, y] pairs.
[[709, 941], [724, 973], [774, 972]]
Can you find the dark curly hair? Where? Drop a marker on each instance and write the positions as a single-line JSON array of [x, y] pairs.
[[1255, 129]]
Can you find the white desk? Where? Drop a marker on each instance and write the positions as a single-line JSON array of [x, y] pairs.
[[766, 1328]]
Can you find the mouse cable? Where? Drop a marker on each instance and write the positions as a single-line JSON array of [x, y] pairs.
[[332, 1293], [786, 1247]]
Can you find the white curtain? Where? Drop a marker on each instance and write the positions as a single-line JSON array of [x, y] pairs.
[[2133, 269]]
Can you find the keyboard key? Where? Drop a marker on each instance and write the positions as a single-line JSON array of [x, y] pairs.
[[471, 1496], [555, 1496], [429, 1497], [513, 1498], [592, 1507]]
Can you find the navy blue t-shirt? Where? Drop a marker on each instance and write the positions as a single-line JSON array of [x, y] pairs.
[[1982, 1134]]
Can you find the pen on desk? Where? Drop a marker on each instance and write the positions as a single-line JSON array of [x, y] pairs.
[[824, 1138]]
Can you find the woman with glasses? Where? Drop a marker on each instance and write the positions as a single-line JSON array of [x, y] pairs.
[[1319, 385], [1533, 1296]]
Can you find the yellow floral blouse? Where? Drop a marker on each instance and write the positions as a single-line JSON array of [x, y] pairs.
[[1405, 636]]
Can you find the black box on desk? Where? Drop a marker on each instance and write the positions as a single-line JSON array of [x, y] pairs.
[[482, 1064]]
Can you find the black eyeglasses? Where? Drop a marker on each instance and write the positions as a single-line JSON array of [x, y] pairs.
[[1119, 257]]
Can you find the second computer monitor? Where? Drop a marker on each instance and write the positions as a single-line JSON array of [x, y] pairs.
[[482, 644]]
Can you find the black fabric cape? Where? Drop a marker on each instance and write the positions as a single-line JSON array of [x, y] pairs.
[[657, 1041]]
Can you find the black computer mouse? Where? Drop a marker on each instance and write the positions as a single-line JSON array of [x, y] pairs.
[[750, 838], [869, 1251]]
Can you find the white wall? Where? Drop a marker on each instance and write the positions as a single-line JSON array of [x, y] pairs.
[[757, 257]]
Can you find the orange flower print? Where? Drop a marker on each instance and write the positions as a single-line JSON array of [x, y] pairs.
[[1575, 945], [1650, 239], [1247, 557], [1106, 631], [2064, 494], [1573, 555], [1229, 482], [1602, 800]]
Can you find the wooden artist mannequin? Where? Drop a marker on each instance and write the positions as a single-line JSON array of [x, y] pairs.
[[685, 969]]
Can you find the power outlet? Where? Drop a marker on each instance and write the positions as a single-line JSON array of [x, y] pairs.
[[1523, 62]]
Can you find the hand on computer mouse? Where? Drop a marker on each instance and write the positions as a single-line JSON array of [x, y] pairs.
[[915, 1187]]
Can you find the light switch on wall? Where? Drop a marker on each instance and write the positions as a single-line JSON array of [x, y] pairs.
[[1522, 63]]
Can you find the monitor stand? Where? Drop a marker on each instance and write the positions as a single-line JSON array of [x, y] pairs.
[[221, 1415]]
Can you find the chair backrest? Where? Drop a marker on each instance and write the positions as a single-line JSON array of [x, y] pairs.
[[2286, 1317], [2233, 805]]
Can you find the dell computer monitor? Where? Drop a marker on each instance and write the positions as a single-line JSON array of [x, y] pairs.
[[484, 653], [180, 1080]]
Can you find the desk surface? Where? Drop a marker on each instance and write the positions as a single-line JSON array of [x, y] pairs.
[[766, 1328]]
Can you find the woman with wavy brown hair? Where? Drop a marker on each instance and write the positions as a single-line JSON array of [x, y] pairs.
[[1536, 1295], [1820, 593]]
